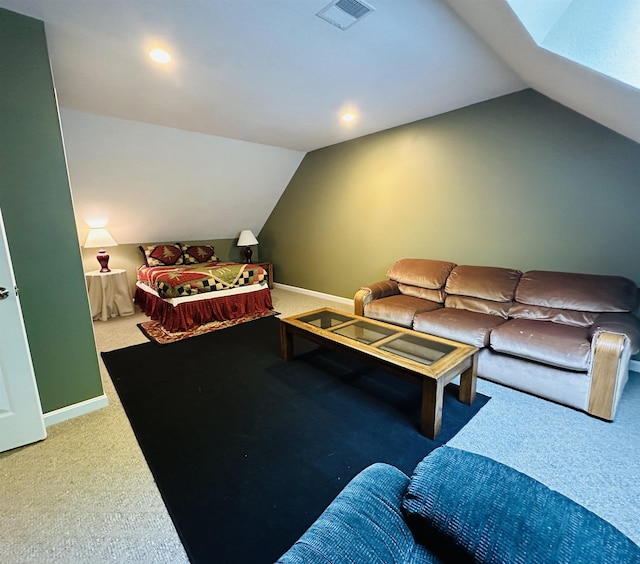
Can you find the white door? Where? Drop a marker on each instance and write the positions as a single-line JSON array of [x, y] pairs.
[[20, 412]]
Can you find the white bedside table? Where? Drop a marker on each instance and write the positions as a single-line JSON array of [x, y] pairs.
[[109, 293]]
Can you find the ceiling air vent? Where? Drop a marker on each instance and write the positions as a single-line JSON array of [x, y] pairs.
[[344, 13]]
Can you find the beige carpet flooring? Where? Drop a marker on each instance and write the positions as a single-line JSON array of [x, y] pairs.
[[85, 494]]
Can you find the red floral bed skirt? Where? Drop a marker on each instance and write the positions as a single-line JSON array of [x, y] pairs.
[[188, 315]]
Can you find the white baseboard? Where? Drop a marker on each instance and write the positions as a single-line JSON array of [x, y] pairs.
[[315, 294], [75, 410]]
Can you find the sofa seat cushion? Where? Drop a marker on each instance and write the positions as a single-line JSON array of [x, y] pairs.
[[469, 508], [399, 309], [582, 292], [469, 327], [556, 344], [424, 273]]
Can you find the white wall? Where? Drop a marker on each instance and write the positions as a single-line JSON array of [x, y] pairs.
[[153, 183]]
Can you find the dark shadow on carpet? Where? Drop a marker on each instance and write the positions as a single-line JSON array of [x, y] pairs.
[[248, 450]]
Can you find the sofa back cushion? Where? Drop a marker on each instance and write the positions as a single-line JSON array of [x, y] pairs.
[[484, 282], [437, 296], [469, 508], [565, 316], [479, 306], [482, 289], [423, 273], [578, 292]]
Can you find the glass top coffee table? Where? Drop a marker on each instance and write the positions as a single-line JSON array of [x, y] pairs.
[[430, 360]]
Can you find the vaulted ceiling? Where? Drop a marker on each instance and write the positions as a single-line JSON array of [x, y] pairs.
[[271, 72], [569, 81]]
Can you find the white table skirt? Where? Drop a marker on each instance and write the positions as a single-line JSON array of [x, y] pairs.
[[109, 294]]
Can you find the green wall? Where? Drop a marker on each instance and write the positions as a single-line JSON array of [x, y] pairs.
[[519, 181], [36, 204]]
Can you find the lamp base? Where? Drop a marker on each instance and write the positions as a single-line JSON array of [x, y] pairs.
[[247, 254], [103, 259]]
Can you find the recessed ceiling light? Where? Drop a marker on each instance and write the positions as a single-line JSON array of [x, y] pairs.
[[160, 56], [349, 116]]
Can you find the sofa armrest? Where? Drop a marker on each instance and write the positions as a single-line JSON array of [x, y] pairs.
[[372, 292], [614, 338], [609, 372], [625, 324], [364, 523]]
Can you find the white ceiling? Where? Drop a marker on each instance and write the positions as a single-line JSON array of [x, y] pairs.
[[266, 71], [271, 72]]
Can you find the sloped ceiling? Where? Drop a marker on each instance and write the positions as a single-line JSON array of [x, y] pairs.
[[266, 71], [596, 95], [271, 72]]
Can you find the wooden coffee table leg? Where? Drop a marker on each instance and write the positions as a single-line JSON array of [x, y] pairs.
[[468, 379], [432, 398], [286, 343]]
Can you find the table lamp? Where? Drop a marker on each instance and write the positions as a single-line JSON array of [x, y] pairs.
[[246, 239], [100, 238]]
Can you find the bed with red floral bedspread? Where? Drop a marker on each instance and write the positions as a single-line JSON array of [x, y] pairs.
[[183, 286]]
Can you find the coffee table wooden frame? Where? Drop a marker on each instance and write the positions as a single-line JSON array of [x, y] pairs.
[[433, 378]]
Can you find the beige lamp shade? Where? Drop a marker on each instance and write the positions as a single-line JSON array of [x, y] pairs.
[[99, 239], [246, 239]]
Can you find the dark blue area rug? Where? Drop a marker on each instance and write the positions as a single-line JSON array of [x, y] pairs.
[[248, 450]]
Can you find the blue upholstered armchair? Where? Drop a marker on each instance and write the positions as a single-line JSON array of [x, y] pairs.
[[457, 507]]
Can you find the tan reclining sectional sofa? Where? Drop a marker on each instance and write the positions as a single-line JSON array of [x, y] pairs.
[[562, 336]]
